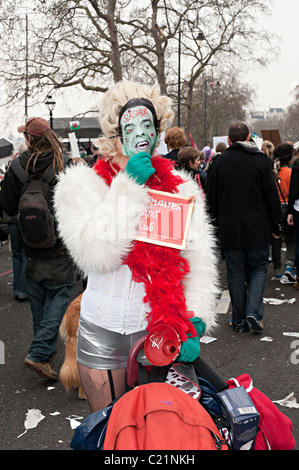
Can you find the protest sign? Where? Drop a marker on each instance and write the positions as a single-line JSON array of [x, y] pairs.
[[167, 221]]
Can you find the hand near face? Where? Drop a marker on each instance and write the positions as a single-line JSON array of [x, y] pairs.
[[140, 167]]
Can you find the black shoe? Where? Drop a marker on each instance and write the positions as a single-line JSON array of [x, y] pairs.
[[255, 324], [240, 326], [21, 299]]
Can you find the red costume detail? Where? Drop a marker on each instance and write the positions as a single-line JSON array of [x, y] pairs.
[[161, 269]]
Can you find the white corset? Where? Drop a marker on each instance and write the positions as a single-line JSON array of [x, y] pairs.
[[115, 302]]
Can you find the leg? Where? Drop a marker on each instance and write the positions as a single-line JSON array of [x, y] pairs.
[[18, 262], [290, 241], [296, 225], [36, 294], [97, 386], [257, 261], [50, 284], [276, 256], [236, 278], [56, 300]]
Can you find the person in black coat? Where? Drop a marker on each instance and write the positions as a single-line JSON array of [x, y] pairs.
[[243, 202], [50, 272], [175, 139], [293, 210]]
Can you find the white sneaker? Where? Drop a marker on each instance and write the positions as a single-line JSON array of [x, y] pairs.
[[286, 280]]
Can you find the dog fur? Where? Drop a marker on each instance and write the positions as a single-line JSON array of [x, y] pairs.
[[68, 331]]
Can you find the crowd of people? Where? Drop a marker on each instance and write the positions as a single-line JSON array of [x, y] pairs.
[[246, 207]]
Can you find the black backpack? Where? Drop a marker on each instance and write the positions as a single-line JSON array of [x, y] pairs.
[[35, 211]]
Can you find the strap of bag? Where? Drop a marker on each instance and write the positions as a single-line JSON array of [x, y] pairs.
[[281, 192], [25, 178], [19, 170]]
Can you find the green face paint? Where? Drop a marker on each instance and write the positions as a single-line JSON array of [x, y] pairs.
[[138, 131]]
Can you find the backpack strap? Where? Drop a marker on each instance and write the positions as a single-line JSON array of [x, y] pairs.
[[205, 371], [19, 171], [25, 178]]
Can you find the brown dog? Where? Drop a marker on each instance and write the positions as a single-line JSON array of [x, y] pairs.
[[68, 331]]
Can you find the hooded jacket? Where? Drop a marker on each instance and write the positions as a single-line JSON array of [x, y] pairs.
[[242, 197], [294, 187], [11, 192]]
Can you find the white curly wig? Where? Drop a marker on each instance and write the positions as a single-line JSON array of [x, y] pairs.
[[116, 97]]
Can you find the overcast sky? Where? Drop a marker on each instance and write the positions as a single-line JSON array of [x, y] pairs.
[[274, 85]]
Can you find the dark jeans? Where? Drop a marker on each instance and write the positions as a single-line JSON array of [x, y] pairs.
[[296, 223], [18, 262], [289, 235], [49, 286], [247, 267]]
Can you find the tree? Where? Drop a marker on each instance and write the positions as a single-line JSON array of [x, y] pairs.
[[217, 103], [93, 43]]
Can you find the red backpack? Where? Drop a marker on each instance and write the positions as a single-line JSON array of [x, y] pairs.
[[275, 429], [158, 416]]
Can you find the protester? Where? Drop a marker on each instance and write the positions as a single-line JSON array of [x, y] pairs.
[[243, 202], [175, 139], [19, 286], [220, 148], [202, 157], [132, 285], [283, 156], [189, 161], [268, 148], [50, 273], [208, 153], [95, 153], [293, 211], [18, 258]]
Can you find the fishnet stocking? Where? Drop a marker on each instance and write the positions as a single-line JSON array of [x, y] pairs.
[[97, 386]]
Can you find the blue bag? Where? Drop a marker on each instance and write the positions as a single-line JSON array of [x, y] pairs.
[[90, 434], [209, 398]]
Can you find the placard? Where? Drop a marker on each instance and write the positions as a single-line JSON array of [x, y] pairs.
[[272, 135], [74, 145], [167, 221]]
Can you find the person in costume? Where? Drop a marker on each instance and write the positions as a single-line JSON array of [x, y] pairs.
[[132, 285]]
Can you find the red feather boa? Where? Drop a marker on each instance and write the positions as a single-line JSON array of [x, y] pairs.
[[161, 269]]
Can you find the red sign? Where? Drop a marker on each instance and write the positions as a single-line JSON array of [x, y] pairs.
[[167, 220]]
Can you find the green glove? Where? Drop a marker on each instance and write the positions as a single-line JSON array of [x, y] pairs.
[[140, 168], [199, 326], [190, 349]]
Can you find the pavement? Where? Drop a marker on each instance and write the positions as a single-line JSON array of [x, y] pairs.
[[270, 357]]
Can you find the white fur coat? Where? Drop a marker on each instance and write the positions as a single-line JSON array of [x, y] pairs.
[[98, 225]]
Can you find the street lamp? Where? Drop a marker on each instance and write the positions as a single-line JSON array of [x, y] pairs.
[[50, 103], [199, 39]]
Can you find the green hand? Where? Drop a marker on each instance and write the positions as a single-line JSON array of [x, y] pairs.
[[140, 168], [190, 349]]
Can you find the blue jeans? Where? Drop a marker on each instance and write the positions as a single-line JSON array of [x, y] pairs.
[[18, 262], [244, 266], [296, 223], [50, 284], [289, 235]]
